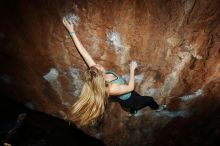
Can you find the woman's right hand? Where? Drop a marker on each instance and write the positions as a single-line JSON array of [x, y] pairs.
[[69, 26], [133, 65]]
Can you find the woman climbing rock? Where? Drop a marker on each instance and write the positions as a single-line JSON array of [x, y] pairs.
[[100, 84]]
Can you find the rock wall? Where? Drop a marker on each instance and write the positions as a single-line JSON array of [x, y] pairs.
[[176, 43]]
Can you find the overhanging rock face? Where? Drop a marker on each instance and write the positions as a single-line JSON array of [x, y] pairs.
[[176, 43]]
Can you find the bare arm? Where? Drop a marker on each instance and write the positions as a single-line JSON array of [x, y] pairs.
[[117, 89], [83, 52], [86, 56]]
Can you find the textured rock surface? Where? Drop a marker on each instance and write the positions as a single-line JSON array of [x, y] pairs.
[[177, 44]]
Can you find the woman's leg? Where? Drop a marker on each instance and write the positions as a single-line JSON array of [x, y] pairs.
[[143, 101], [137, 102]]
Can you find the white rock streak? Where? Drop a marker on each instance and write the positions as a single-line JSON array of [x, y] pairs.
[[192, 96], [172, 79]]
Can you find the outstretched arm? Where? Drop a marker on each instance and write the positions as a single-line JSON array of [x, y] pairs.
[[117, 89], [86, 56]]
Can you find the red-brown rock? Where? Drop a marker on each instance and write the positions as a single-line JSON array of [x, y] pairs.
[[176, 43]]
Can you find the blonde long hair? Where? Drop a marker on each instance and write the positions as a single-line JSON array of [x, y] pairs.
[[91, 103]]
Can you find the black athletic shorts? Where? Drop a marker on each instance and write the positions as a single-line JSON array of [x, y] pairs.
[[136, 102]]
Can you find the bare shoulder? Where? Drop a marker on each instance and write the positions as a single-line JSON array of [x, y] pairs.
[[118, 89], [112, 88]]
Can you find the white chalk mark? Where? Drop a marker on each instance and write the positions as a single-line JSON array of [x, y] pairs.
[[52, 75], [52, 78], [76, 82], [138, 78], [113, 38], [150, 92], [72, 18], [125, 77]]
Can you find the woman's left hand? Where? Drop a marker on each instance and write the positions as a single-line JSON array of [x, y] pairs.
[[69, 26], [133, 65]]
